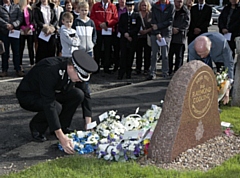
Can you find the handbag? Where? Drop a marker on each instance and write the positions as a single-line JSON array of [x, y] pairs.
[[237, 41], [148, 36], [2, 48]]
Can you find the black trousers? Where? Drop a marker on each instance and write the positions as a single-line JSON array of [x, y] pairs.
[[65, 103], [30, 40], [232, 45], [105, 42], [143, 48], [177, 50], [127, 56], [116, 52], [45, 49]]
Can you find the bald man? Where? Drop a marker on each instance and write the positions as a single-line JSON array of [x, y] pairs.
[[212, 47]]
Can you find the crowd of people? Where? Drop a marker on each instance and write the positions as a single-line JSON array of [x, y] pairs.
[[111, 33]]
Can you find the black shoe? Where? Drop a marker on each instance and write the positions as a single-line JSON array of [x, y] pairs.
[[128, 77], [108, 71], [151, 77], [120, 78], [166, 76], [145, 72], [37, 136], [137, 72], [67, 130]]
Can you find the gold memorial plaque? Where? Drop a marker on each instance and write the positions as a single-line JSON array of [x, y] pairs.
[[201, 94]]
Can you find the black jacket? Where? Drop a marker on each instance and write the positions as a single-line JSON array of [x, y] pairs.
[[163, 19], [181, 22], [234, 23], [31, 19], [38, 16], [14, 17], [135, 24], [200, 18], [45, 79]]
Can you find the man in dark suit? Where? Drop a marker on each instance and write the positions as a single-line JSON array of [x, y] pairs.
[[48, 89], [201, 15]]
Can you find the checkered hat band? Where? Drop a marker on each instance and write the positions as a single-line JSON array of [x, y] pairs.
[[79, 69], [130, 2]]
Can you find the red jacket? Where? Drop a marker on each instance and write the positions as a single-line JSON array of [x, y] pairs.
[[99, 15]]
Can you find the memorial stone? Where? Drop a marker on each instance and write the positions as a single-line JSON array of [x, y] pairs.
[[189, 115]]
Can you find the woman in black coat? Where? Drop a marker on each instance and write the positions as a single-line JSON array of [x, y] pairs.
[[229, 22], [46, 23]]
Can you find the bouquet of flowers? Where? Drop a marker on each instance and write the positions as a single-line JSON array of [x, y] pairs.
[[118, 139], [222, 83], [84, 142], [110, 125]]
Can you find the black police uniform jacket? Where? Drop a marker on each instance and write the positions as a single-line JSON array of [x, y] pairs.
[[131, 26], [44, 80]]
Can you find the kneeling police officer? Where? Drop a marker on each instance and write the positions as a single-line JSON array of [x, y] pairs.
[[54, 88]]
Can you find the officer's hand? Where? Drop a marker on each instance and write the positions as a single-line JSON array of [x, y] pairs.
[[67, 145], [66, 142]]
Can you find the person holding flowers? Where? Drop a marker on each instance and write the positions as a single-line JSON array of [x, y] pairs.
[[48, 89], [213, 47]]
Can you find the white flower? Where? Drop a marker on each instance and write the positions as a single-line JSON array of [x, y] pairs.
[[103, 140], [136, 124], [102, 147], [112, 113], [117, 117], [80, 134], [108, 157], [131, 147], [105, 133], [93, 139], [129, 125], [125, 143], [151, 119], [75, 143]]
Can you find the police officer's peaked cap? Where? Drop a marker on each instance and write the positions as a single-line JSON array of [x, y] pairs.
[[129, 2], [84, 64]]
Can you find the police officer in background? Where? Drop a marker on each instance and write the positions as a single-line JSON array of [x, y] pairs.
[[129, 26], [48, 89]]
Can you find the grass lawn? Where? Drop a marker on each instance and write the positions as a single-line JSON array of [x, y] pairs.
[[79, 166]]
